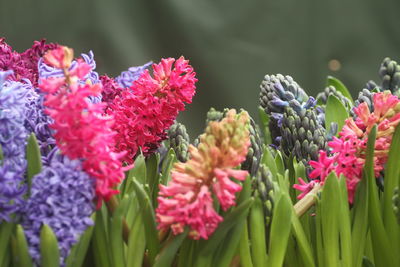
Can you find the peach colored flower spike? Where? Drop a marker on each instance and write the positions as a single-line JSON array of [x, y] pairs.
[[187, 199]]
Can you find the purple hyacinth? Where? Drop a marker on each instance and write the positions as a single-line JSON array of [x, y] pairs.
[[126, 78], [45, 71], [38, 122], [13, 142], [61, 197]]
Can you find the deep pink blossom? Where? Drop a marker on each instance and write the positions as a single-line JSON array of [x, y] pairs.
[[304, 187], [349, 151], [24, 65], [81, 129], [144, 113], [111, 89]]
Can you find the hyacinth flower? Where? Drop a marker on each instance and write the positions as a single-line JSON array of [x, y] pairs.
[[179, 141], [47, 70], [277, 93], [145, 112], [302, 134], [24, 65], [62, 198], [253, 156], [81, 130], [113, 87], [389, 72], [347, 154], [126, 78], [188, 198], [13, 142]]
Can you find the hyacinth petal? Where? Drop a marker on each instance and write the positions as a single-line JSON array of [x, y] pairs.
[[187, 200], [59, 58], [81, 70], [81, 129], [23, 64], [348, 152], [13, 136], [304, 187], [51, 85], [151, 106], [56, 194]]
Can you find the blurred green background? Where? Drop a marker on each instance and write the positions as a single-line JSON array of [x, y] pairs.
[[232, 44]]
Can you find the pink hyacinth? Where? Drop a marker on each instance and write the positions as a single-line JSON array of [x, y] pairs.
[[187, 200], [111, 89], [349, 151], [81, 129], [144, 113]]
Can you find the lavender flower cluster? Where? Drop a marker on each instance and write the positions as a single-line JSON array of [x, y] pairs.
[[12, 140], [62, 198]]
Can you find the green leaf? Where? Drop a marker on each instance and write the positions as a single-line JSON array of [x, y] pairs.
[[257, 234], [300, 170], [49, 252], [100, 242], [360, 225], [302, 241], [22, 257], [335, 112], [344, 224], [34, 159], [167, 165], [391, 180], [320, 251], [153, 176], [168, 252], [78, 252], [330, 210], [115, 234], [5, 234], [246, 190], [136, 243], [280, 165], [149, 219], [186, 252], [332, 81], [206, 248], [244, 248], [268, 160], [367, 263], [265, 125], [139, 171], [7, 258], [383, 254], [1, 153], [280, 230], [230, 244]]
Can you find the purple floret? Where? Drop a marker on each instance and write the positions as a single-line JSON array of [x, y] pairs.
[[13, 142], [126, 78], [61, 197]]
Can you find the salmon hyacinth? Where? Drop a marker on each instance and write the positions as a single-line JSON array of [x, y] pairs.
[[349, 151], [81, 130], [188, 198]]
